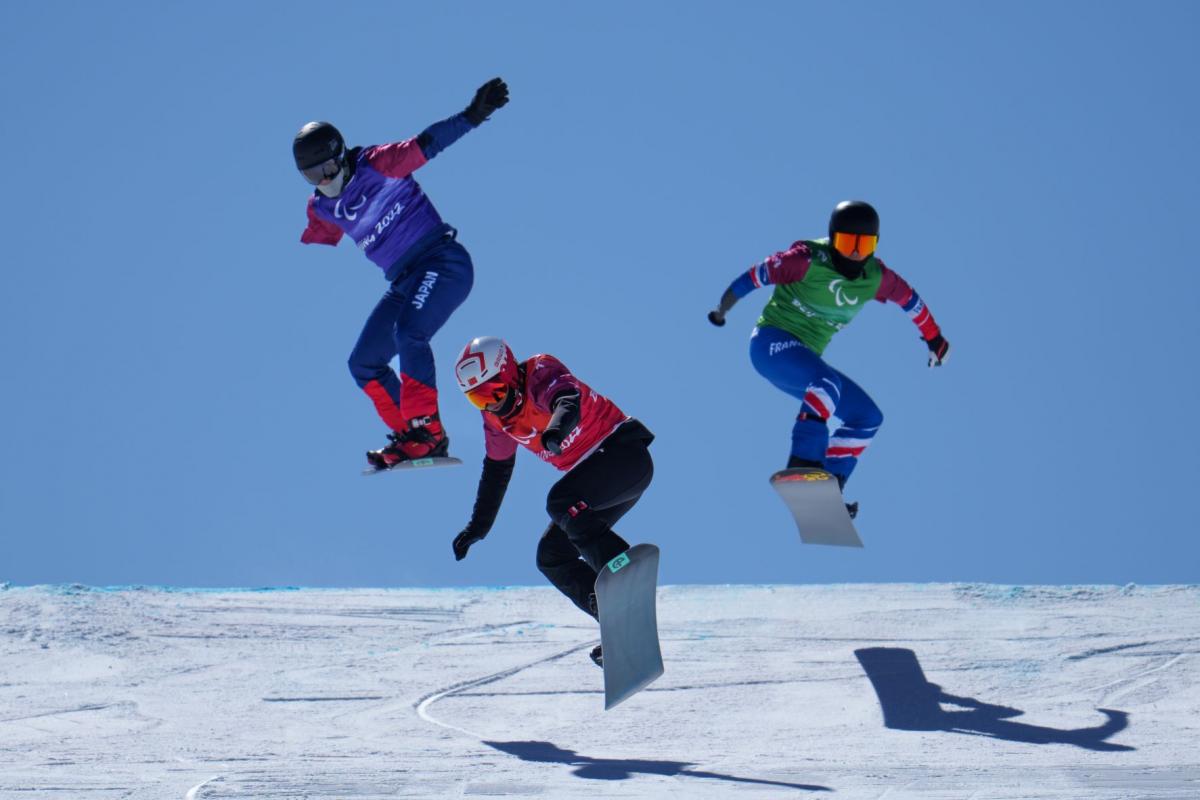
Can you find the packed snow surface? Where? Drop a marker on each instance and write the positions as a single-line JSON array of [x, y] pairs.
[[930, 691]]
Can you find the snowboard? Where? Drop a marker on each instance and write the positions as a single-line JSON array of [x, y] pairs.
[[417, 463], [813, 497], [625, 597]]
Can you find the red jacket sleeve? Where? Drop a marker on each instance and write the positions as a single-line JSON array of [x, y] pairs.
[[396, 160], [546, 378], [319, 231], [498, 444], [894, 288], [787, 266]]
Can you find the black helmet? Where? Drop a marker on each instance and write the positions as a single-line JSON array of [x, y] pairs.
[[854, 216], [316, 143]]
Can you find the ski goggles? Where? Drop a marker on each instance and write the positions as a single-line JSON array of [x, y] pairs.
[[849, 244], [329, 168], [488, 394]]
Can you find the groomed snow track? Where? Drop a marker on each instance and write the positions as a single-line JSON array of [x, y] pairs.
[[931, 691]]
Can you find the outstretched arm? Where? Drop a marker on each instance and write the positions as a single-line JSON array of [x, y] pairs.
[[894, 288], [401, 159], [789, 266], [493, 483]]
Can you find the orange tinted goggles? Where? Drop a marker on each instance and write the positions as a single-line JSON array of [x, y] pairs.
[[490, 393], [849, 244]]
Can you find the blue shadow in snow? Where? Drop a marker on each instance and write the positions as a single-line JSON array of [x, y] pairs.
[[911, 703], [619, 769]]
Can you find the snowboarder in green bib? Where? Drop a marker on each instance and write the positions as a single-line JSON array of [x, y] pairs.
[[820, 285]]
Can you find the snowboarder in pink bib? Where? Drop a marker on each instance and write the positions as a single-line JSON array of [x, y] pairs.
[[820, 285], [369, 194], [540, 405]]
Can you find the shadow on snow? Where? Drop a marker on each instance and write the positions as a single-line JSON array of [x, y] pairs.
[[911, 703], [619, 769]]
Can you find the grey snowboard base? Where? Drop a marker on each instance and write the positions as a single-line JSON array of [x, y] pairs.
[[813, 497], [417, 463], [625, 597]]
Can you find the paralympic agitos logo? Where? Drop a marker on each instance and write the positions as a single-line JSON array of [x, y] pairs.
[[839, 296], [351, 211]]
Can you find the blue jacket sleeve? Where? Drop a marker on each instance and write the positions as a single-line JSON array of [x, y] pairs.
[[743, 285], [440, 135]]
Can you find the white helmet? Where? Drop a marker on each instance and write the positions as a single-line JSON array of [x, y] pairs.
[[486, 371]]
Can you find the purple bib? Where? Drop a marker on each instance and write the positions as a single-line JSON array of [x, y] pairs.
[[384, 216]]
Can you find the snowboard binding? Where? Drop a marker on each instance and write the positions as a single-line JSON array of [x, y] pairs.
[[417, 442]]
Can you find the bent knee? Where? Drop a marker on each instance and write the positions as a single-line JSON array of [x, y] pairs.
[[866, 416], [364, 369], [568, 515], [553, 550], [412, 336]]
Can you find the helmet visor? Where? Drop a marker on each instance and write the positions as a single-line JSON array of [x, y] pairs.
[[326, 170], [855, 244], [488, 395]]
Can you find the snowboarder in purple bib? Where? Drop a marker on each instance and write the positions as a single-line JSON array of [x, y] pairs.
[[819, 288], [369, 193]]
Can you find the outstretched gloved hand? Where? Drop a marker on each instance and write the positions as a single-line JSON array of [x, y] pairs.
[[939, 350], [728, 300], [469, 536], [489, 97]]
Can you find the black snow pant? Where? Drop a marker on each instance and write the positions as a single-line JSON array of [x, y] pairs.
[[585, 504]]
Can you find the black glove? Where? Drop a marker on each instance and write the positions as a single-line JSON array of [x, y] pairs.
[[469, 536], [552, 441], [490, 494], [728, 301], [939, 350], [489, 97]]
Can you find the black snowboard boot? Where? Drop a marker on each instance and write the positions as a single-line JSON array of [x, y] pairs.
[[851, 508], [795, 461], [597, 654]]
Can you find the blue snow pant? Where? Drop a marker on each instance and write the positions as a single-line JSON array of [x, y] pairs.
[[823, 393], [413, 308]]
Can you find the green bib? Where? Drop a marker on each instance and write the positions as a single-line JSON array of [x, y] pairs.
[[819, 306]]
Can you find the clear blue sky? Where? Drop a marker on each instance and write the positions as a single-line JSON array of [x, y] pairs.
[[176, 404]]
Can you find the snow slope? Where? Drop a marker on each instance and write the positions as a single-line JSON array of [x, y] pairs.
[[932, 691]]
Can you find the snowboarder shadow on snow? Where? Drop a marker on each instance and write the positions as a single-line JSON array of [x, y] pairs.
[[911, 703], [619, 769]]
